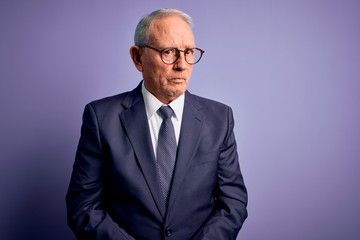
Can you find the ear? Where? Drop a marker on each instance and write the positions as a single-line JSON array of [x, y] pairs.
[[135, 53]]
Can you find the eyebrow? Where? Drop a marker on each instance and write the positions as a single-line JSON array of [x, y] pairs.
[[186, 47]]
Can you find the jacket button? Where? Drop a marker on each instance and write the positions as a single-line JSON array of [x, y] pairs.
[[168, 232]]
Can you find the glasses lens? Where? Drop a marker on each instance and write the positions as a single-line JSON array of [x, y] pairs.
[[169, 55], [193, 55]]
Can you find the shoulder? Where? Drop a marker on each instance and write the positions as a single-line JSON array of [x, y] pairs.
[[216, 113], [202, 103], [108, 105], [109, 101], [116, 103]]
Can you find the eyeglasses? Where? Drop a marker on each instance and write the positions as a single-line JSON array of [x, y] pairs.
[[171, 55]]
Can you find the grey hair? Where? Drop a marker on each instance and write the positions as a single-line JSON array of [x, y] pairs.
[[142, 35]]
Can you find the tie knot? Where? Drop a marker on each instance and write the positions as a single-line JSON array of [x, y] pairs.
[[165, 112]]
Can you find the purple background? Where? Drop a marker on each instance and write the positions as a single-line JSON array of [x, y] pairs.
[[290, 70]]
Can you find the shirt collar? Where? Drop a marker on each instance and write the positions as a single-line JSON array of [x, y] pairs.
[[152, 104]]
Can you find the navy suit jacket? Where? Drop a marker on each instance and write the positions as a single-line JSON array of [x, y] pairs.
[[114, 192]]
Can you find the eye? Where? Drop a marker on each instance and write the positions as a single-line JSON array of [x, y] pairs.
[[189, 51], [170, 51]]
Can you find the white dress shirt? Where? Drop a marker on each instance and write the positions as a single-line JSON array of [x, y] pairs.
[[152, 104]]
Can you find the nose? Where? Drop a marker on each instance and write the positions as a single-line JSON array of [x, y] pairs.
[[181, 64]]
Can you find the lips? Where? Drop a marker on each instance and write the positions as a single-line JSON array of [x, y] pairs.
[[176, 79]]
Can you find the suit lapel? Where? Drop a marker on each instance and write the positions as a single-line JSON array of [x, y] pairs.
[[135, 122], [188, 143]]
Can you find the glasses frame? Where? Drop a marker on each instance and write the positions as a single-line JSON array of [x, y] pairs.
[[161, 51]]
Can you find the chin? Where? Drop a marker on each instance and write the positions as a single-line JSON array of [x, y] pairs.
[[172, 95], [177, 93]]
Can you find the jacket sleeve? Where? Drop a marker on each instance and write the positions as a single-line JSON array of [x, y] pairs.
[[85, 213], [231, 194]]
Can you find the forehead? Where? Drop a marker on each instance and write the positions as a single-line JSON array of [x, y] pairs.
[[171, 31]]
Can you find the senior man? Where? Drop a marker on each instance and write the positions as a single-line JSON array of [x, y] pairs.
[[158, 162]]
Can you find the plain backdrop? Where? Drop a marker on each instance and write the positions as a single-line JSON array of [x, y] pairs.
[[290, 69]]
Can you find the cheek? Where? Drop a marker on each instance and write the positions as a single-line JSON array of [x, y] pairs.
[[161, 73], [156, 69], [151, 71], [158, 76], [189, 71]]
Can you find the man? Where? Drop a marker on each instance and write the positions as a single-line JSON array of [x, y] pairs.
[[127, 183]]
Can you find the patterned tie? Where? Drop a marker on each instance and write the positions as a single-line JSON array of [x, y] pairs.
[[166, 150]]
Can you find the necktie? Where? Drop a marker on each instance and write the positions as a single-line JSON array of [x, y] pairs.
[[166, 150]]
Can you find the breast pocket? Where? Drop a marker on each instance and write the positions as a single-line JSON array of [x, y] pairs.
[[205, 157]]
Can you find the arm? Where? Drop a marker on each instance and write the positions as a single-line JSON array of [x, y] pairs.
[[231, 195], [86, 215]]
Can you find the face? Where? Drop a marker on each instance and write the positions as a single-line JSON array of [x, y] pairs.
[[165, 82]]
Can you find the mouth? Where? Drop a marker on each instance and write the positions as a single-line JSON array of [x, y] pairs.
[[176, 79]]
